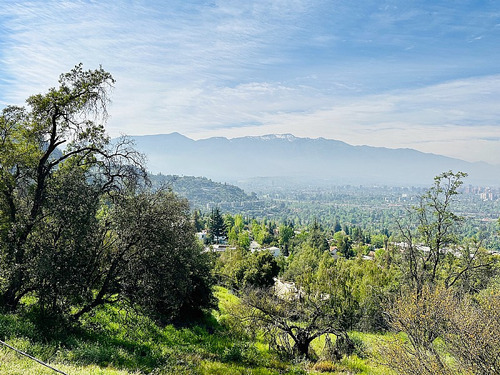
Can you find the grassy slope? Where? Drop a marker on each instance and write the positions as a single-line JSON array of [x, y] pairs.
[[114, 342]]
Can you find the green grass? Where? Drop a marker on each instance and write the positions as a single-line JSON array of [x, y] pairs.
[[362, 362], [116, 341]]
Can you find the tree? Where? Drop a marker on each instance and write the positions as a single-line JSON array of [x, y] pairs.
[[217, 229], [261, 269], [345, 247], [379, 241], [79, 227], [337, 227], [197, 221], [317, 237], [286, 234], [303, 263], [239, 223], [437, 302], [230, 267], [160, 266], [466, 327], [140, 248], [240, 269], [263, 232], [237, 236], [61, 248], [244, 240], [359, 291], [30, 157], [435, 229], [300, 316]]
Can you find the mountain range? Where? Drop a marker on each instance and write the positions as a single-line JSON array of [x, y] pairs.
[[310, 161]]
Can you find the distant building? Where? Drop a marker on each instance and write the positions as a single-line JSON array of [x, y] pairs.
[[217, 248], [254, 246], [275, 251], [202, 235]]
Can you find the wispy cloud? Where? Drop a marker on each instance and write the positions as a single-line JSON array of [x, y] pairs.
[[369, 72], [457, 118]]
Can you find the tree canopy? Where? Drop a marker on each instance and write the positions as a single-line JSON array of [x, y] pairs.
[[79, 225]]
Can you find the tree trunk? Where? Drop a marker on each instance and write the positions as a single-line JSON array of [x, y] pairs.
[[8, 298], [301, 347]]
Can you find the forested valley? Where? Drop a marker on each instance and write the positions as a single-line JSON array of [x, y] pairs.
[[106, 269]]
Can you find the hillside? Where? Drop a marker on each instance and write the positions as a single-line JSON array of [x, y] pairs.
[[304, 160], [118, 341], [201, 191]]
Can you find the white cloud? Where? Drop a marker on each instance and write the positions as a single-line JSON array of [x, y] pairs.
[[444, 119], [233, 68]]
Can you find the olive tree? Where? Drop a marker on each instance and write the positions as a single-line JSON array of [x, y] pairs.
[[293, 316]]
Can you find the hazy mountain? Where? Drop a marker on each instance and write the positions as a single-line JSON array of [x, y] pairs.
[[305, 160]]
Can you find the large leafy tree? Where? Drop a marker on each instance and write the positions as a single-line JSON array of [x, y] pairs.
[[239, 268], [162, 268], [64, 244], [31, 140], [78, 226]]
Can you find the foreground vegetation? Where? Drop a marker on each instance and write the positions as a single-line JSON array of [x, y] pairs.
[[116, 340]]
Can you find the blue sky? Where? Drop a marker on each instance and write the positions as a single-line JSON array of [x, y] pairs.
[[417, 74]]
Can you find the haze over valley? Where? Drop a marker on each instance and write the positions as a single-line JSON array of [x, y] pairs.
[[284, 159]]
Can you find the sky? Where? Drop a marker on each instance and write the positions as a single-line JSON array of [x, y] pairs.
[[398, 74]]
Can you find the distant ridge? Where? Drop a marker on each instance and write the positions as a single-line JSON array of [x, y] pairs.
[[202, 192], [305, 159]]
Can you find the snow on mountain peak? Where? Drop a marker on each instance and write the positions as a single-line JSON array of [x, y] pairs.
[[288, 137]]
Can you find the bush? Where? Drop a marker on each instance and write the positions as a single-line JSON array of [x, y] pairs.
[[360, 348], [241, 352], [326, 366]]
